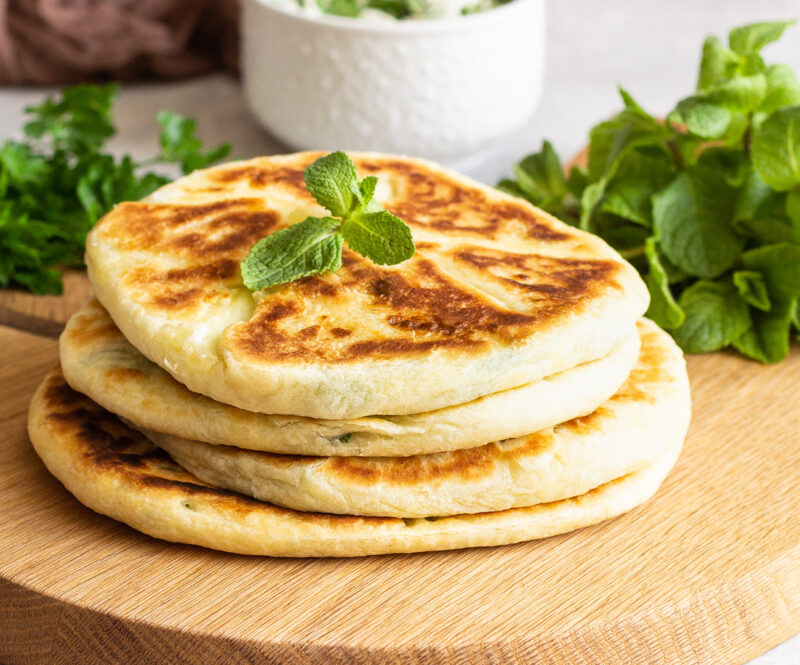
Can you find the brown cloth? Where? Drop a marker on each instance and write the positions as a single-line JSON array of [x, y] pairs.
[[65, 41]]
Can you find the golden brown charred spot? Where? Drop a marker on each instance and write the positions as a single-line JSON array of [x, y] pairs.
[[84, 331], [465, 465], [123, 374], [543, 277], [434, 200], [437, 305], [267, 175], [221, 229], [341, 332], [587, 424], [651, 369], [106, 446], [183, 288]]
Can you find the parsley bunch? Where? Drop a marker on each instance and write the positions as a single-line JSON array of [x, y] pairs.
[[706, 205], [315, 245], [58, 182]]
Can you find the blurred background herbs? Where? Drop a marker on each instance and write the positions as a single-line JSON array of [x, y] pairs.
[[706, 204], [57, 182]]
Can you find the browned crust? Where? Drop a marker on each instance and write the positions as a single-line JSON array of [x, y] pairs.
[[414, 309], [104, 446]]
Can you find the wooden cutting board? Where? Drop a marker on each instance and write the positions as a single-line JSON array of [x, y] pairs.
[[708, 572]]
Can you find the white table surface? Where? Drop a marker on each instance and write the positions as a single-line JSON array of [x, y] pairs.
[[652, 49]]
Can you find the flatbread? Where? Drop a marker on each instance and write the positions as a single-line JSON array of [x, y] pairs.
[[98, 361], [116, 471], [498, 294], [626, 433]]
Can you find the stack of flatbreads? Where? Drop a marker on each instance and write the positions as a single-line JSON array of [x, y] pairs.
[[499, 386]]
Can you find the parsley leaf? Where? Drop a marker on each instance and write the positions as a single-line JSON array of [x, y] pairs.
[[315, 245], [705, 205], [179, 143], [56, 184]]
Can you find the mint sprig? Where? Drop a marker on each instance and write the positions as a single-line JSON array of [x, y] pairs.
[[314, 245], [706, 205]]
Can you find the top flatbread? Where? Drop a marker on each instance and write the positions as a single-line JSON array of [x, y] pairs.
[[498, 293]]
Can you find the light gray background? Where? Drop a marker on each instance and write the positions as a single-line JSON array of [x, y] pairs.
[[651, 48]]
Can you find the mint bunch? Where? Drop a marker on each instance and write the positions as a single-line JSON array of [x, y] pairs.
[[58, 182], [315, 245], [706, 205]]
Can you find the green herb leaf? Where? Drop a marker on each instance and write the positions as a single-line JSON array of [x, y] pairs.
[[332, 180], [58, 183], [610, 140], [742, 93], [541, 177], [79, 122], [663, 309], [768, 339], [752, 38], [180, 143], [716, 63], [776, 149], [783, 88], [715, 317], [380, 236], [692, 219], [780, 266], [315, 244], [702, 118], [752, 288], [307, 248]]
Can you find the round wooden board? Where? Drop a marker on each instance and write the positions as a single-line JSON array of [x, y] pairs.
[[706, 572]]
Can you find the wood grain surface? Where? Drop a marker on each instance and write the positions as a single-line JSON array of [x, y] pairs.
[[44, 315], [708, 572]]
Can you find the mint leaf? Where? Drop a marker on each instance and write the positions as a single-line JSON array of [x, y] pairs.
[[783, 88], [366, 190], [663, 309], [692, 220], [307, 248], [592, 196], [704, 119], [768, 339], [715, 317], [332, 180], [315, 244], [610, 140], [752, 38], [380, 236], [776, 149], [541, 177], [752, 196], [629, 199], [793, 211], [752, 288], [780, 266], [716, 63], [742, 93]]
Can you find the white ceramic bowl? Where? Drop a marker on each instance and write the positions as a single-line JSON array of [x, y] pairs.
[[444, 89]]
